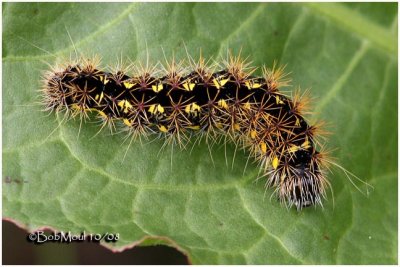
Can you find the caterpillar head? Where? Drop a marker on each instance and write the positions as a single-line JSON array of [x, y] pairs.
[[301, 181]]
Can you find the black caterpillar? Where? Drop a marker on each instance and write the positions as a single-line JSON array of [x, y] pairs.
[[211, 101]]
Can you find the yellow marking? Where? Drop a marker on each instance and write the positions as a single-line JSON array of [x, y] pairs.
[[253, 134], [189, 86], [128, 85], [222, 103], [275, 162], [162, 128], [216, 84], [194, 127], [251, 85], [187, 108], [157, 88], [256, 85], [297, 123], [278, 100], [127, 122], [263, 147], [156, 108], [160, 109], [293, 149], [223, 82], [236, 126], [104, 80], [196, 107], [125, 105], [306, 144], [121, 103], [193, 107], [96, 97], [152, 108], [247, 105], [219, 84]]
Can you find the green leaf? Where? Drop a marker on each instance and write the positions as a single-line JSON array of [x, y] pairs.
[[212, 210]]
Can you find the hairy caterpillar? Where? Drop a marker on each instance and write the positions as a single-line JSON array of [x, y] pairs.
[[202, 99]]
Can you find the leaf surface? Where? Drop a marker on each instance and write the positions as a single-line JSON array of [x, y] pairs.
[[209, 208]]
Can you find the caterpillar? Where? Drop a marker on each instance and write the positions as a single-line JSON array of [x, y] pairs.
[[179, 100]]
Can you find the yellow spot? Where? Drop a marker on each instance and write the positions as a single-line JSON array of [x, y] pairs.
[[247, 105], [152, 108], [275, 162], [293, 149], [297, 123], [194, 127], [253, 134], [189, 86], [256, 85], [222, 103], [251, 85], [96, 97], [104, 80], [156, 108], [187, 108], [219, 84], [223, 82], [216, 83], [121, 103], [160, 109], [162, 128], [236, 126], [263, 147], [192, 108], [127, 122], [128, 85], [125, 105], [157, 88], [306, 144], [278, 100], [196, 107]]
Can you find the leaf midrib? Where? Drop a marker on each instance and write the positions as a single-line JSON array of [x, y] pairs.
[[357, 23]]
